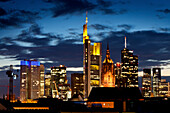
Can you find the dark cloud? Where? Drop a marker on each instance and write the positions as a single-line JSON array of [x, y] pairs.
[[100, 27], [125, 26], [16, 18], [5, 0], [166, 11], [104, 3], [164, 29], [113, 11], [2, 12], [63, 7]]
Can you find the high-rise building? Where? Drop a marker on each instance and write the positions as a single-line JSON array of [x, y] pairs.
[[117, 74], [108, 74], [29, 79], [91, 62], [42, 80], [129, 63], [95, 65], [164, 88], [156, 81], [77, 83], [59, 87], [146, 83], [47, 84]]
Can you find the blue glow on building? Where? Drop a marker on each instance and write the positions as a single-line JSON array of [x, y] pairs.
[[35, 63], [27, 63]]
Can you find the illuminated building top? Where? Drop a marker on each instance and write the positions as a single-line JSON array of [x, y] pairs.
[[85, 35], [95, 49], [28, 63]]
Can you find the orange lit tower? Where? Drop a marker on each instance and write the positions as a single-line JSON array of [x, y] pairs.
[[91, 62], [108, 77]]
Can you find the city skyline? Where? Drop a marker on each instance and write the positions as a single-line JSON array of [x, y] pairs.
[[30, 37]]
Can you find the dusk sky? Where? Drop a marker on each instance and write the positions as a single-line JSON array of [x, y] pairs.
[[51, 32]]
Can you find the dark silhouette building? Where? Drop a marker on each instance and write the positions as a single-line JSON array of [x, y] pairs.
[[77, 84]]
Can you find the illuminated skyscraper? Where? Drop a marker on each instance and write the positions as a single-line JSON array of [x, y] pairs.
[[29, 79], [95, 65], [77, 83], [146, 83], [91, 62], [129, 63], [156, 81], [108, 75], [42, 80], [59, 87], [164, 88]]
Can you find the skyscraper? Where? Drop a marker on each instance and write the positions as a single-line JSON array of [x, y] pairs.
[[59, 87], [156, 81], [146, 83], [95, 65], [29, 79], [42, 80], [129, 68], [77, 83], [108, 75], [91, 62], [58, 76]]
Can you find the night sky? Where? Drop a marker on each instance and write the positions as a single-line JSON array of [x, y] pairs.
[[51, 32]]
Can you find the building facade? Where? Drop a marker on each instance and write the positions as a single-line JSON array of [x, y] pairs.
[[29, 79], [156, 81], [77, 84], [108, 74], [146, 83], [95, 65], [129, 73]]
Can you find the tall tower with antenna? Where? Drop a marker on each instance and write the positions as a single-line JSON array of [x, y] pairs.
[[129, 62], [91, 62]]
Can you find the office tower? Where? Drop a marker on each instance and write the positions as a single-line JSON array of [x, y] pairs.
[[77, 84], [95, 65], [117, 74], [42, 80], [164, 88], [146, 83], [91, 62], [108, 77], [29, 79], [129, 68], [156, 81], [59, 87], [47, 84]]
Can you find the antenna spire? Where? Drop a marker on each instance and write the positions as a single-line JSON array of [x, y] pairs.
[[86, 17], [125, 41]]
